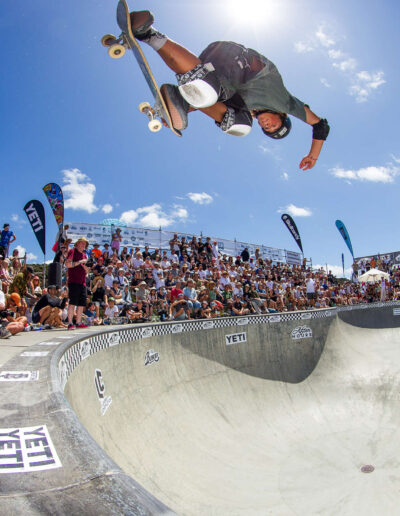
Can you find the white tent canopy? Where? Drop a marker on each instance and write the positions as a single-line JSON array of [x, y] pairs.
[[372, 276]]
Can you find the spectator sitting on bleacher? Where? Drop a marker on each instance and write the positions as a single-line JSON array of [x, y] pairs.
[[48, 309], [179, 309], [111, 310]]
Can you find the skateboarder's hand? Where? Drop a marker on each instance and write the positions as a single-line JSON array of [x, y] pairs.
[[307, 162]]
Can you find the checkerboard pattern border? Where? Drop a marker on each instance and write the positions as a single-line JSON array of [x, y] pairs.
[[89, 345]]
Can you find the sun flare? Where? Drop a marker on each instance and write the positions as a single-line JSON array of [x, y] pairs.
[[254, 13]]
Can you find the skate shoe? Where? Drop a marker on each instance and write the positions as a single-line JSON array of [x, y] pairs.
[[177, 106], [141, 22]]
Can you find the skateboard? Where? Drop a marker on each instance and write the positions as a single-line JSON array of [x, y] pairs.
[[117, 48]]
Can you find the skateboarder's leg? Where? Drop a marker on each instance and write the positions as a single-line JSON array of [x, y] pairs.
[[178, 58], [198, 82]]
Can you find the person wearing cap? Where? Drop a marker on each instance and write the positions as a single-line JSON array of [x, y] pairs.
[[77, 272], [121, 278], [116, 294], [111, 309], [179, 309], [7, 237], [190, 295], [96, 252], [14, 321], [143, 294], [49, 308], [109, 277]]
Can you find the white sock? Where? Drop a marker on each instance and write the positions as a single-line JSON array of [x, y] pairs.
[[156, 39]]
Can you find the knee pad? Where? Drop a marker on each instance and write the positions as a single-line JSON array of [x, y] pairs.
[[200, 87], [236, 122]]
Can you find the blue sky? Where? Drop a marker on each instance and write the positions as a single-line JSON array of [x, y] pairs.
[[69, 115]]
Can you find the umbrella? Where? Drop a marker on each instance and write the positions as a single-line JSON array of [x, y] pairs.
[[372, 276]]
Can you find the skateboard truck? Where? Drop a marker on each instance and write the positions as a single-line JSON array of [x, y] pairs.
[[154, 124], [117, 46]]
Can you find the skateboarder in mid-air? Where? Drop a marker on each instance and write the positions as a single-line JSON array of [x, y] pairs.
[[231, 84]]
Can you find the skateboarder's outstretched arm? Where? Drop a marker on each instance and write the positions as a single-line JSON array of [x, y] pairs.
[[310, 160]]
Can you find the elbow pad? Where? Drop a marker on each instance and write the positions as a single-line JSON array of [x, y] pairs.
[[321, 130]]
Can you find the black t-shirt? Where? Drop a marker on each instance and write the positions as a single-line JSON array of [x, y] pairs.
[[47, 300], [99, 294]]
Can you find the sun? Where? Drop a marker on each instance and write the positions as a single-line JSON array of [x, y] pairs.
[[254, 13]]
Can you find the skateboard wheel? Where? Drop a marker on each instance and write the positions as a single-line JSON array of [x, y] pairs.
[[155, 126], [116, 51], [108, 39], [143, 106]]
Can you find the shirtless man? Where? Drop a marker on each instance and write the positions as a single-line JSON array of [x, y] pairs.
[[231, 84]]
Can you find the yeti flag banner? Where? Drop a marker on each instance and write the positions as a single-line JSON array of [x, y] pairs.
[[290, 224], [35, 212], [56, 200], [345, 234]]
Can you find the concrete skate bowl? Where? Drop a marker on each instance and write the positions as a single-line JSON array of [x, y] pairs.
[[292, 414]]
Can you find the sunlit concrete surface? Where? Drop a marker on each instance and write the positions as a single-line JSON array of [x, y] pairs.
[[290, 414], [270, 426]]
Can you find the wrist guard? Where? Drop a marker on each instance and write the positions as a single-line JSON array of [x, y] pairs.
[[321, 130]]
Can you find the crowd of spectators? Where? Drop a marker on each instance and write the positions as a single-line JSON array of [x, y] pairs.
[[190, 280], [383, 263]]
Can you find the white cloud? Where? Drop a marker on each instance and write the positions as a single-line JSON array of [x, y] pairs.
[[200, 198], [296, 211], [362, 83], [302, 47], [78, 191], [346, 65], [180, 212], [335, 54], [373, 174], [325, 82], [153, 216], [107, 208], [17, 219], [129, 217], [285, 176], [324, 39]]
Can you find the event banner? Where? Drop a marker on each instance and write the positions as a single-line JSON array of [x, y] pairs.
[[159, 239], [345, 234], [391, 258], [35, 212], [56, 200], [291, 225]]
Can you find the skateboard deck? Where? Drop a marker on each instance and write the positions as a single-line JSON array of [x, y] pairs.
[[117, 48]]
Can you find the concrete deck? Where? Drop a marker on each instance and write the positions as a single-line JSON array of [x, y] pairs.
[[265, 415]]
